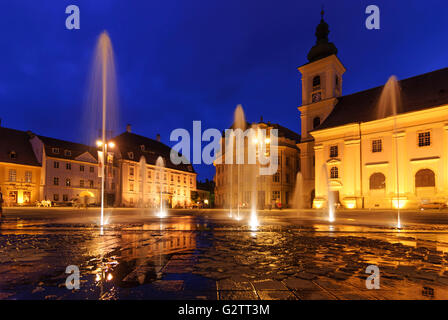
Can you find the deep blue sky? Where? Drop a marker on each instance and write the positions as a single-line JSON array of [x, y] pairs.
[[184, 60]]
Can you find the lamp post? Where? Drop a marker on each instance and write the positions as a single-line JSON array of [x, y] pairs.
[[103, 145]]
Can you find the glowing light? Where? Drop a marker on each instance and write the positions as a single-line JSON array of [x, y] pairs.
[[253, 222], [399, 203], [255, 140], [267, 140], [99, 143], [331, 214], [318, 203], [161, 214], [98, 277], [109, 277], [111, 144], [206, 201], [350, 204]]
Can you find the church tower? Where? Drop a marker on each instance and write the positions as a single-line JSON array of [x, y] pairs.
[[321, 86]]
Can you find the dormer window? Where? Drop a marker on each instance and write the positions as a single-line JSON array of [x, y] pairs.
[[55, 150], [142, 147], [67, 153], [316, 83], [131, 155], [13, 155]]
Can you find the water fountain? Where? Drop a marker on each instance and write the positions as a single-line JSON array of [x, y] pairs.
[[297, 200], [142, 166], [388, 106], [239, 123], [160, 165], [330, 199], [102, 103]]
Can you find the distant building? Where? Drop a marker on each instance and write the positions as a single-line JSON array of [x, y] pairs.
[[345, 139], [272, 190], [19, 169], [69, 170], [142, 183]]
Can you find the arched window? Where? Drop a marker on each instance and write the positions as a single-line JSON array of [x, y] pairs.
[[377, 181], [316, 82], [334, 173], [425, 178], [316, 122]]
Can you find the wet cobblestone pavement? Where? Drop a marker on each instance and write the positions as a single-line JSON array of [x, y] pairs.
[[194, 256]]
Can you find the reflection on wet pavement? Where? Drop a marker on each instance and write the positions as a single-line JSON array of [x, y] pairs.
[[204, 257]]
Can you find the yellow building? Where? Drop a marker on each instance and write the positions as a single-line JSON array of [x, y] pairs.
[[233, 188], [142, 182], [19, 168], [365, 159]]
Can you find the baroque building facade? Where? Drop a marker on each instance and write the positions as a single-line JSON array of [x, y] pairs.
[[234, 189], [361, 158]]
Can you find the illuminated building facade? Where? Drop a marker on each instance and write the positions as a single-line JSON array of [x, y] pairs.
[[142, 182], [363, 159], [19, 169], [273, 191]]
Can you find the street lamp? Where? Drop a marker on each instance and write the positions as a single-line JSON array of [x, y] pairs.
[[103, 145]]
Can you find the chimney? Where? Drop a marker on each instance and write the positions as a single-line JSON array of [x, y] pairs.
[[158, 137], [128, 128]]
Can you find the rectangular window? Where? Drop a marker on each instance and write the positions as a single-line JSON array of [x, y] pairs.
[[81, 168], [56, 181], [68, 166], [67, 153], [67, 182], [91, 183], [275, 195], [55, 197], [65, 197], [276, 177], [333, 151], [131, 171], [28, 176], [55, 150], [12, 175], [92, 169], [56, 164], [149, 174], [81, 183], [424, 139], [131, 186], [377, 145]]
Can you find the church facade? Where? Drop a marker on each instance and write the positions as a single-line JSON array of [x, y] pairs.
[[358, 156]]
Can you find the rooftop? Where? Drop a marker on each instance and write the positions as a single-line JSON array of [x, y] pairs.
[[15, 147]]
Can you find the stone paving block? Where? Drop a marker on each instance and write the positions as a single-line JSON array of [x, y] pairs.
[[300, 284], [230, 285], [268, 285], [276, 295], [169, 285], [314, 295], [238, 295]]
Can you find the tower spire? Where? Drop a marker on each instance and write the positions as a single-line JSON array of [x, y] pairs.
[[323, 48]]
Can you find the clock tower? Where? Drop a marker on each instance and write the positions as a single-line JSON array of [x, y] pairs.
[[321, 86]]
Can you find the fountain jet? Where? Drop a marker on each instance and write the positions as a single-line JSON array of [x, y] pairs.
[[388, 106], [160, 164]]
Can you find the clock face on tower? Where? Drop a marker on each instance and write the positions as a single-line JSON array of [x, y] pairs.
[[316, 97]]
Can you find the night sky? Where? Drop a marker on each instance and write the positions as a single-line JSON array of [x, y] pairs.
[[185, 60]]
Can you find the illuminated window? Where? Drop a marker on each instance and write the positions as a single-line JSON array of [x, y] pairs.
[[424, 139], [276, 177], [12, 175], [28, 176], [55, 150], [425, 178], [131, 171], [377, 145], [334, 173], [377, 181], [333, 151], [67, 182], [56, 164]]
